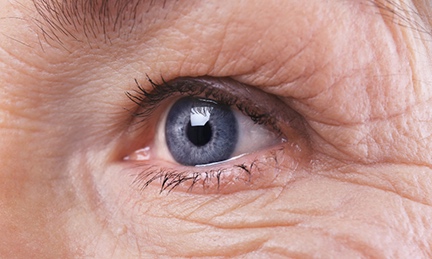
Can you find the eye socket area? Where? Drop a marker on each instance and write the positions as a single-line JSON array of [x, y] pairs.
[[256, 155], [220, 156]]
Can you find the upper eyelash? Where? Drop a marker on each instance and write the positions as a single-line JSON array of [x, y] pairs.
[[148, 101]]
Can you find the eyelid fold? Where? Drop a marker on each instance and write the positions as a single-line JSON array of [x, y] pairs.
[[261, 106]]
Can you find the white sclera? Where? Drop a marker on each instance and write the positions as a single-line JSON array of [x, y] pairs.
[[252, 136]]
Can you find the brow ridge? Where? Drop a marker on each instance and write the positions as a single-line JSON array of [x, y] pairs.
[[58, 19]]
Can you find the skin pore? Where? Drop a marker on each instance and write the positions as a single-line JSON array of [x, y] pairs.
[[353, 179]]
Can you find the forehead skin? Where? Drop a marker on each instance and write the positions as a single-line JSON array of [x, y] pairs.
[[357, 71]]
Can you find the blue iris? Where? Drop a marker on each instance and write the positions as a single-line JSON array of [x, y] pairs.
[[200, 131]]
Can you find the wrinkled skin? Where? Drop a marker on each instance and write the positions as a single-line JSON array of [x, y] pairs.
[[357, 75]]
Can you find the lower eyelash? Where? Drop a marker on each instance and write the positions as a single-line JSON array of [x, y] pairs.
[[209, 181], [171, 179]]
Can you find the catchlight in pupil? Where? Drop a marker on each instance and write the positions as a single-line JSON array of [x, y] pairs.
[[199, 130]]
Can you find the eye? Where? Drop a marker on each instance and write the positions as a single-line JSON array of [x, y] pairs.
[[209, 132]]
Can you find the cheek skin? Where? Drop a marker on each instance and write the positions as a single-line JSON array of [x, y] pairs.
[[355, 211], [64, 193]]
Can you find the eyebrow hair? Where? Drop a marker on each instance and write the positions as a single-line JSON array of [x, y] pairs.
[[70, 18], [396, 11], [107, 18]]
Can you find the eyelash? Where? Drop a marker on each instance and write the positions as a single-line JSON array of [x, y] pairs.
[[171, 178], [149, 101]]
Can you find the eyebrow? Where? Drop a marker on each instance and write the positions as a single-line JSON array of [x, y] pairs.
[[396, 11], [71, 18], [62, 19]]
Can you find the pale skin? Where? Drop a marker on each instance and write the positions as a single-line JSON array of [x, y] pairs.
[[355, 182]]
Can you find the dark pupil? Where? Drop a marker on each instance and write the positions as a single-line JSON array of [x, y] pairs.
[[199, 135]]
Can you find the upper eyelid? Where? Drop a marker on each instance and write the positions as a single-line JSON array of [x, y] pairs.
[[248, 99]]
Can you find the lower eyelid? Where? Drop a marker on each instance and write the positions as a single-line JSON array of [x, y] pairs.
[[253, 171]]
